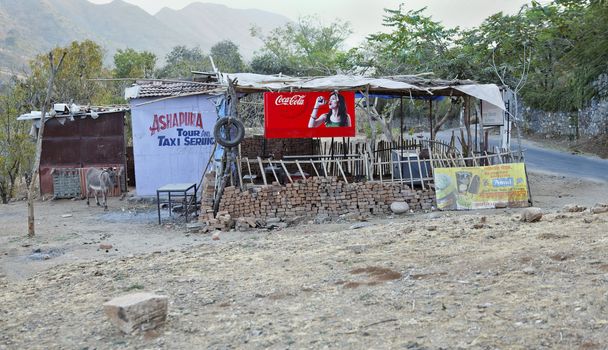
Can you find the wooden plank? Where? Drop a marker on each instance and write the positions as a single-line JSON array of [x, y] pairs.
[[324, 167], [342, 171], [300, 169], [262, 170], [420, 172], [273, 172], [314, 167], [249, 168], [238, 168], [286, 172], [409, 164]]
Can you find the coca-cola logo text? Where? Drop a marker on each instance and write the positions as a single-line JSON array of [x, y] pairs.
[[295, 100]]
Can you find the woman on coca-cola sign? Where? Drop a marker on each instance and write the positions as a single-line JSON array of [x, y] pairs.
[[337, 115]]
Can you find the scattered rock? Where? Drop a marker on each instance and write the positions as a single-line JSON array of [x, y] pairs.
[[573, 208], [479, 226], [194, 227], [431, 228], [598, 209], [400, 207], [215, 236], [531, 214], [137, 312], [359, 225], [105, 246], [322, 219], [529, 270], [66, 215], [272, 221]]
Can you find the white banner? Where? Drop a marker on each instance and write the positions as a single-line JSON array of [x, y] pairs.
[[172, 141], [492, 115]]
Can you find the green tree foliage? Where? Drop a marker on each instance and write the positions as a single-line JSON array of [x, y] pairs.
[[416, 44], [564, 42], [227, 57], [181, 61], [305, 48], [84, 61], [130, 63], [16, 147]]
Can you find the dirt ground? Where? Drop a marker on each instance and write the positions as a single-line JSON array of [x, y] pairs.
[[478, 279]]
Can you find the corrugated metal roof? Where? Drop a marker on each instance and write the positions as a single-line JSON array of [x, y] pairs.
[[157, 88]]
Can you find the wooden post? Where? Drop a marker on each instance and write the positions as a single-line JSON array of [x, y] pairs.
[[31, 230]]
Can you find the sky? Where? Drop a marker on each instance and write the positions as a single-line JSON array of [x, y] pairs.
[[365, 16]]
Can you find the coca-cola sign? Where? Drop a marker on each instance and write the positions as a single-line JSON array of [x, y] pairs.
[[295, 100], [309, 114]]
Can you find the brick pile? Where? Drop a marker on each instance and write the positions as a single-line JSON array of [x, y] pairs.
[[318, 195], [207, 192]]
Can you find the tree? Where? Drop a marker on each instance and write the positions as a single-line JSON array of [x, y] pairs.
[[53, 71], [181, 61], [416, 44], [305, 48], [83, 61], [16, 148], [227, 58], [129, 63]]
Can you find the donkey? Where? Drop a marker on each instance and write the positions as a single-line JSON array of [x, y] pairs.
[[100, 180]]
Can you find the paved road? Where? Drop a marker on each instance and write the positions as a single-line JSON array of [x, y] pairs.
[[563, 163], [539, 159]]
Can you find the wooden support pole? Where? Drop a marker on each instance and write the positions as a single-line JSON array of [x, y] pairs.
[[249, 168], [273, 172], [341, 170], [286, 172], [262, 170], [300, 169], [314, 167]]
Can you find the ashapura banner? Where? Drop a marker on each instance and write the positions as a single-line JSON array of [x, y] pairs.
[[481, 187]]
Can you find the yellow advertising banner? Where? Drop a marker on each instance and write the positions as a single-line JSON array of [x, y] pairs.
[[481, 187]]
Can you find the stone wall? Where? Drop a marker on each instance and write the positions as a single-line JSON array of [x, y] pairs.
[[321, 196], [592, 121]]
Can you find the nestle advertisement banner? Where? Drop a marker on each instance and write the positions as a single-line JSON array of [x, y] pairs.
[[481, 187], [309, 114]]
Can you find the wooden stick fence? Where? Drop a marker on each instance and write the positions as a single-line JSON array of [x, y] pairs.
[[411, 167]]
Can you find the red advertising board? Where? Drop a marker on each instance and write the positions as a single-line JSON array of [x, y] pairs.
[[309, 114]]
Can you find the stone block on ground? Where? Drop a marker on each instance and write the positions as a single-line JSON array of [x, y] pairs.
[[137, 312], [531, 214], [400, 207]]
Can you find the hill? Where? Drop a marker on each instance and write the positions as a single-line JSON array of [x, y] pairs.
[[35, 26]]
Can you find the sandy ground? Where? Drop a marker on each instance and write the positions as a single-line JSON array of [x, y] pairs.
[[479, 279]]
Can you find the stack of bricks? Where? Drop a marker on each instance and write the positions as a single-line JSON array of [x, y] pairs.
[[317, 195], [222, 221], [207, 192]]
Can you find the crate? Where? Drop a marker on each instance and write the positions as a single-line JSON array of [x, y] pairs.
[[66, 183]]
